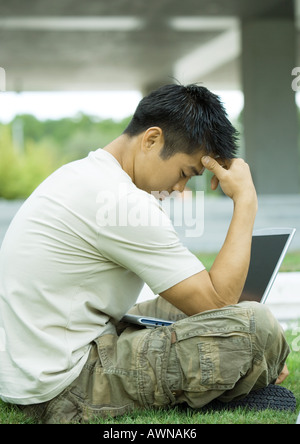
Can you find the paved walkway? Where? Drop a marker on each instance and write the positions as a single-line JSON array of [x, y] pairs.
[[284, 298], [7, 211], [274, 211]]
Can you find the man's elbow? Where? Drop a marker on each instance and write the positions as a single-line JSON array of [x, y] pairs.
[[226, 295], [200, 302]]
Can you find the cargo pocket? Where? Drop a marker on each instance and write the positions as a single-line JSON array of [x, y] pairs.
[[214, 349], [100, 388], [224, 360]]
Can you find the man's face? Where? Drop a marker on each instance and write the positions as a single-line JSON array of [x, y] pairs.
[[157, 174]]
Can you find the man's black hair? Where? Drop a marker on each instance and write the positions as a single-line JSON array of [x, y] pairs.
[[191, 117]]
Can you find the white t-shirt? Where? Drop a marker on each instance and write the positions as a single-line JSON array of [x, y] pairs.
[[78, 253]]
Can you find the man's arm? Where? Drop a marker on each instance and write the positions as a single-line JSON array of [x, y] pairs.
[[224, 283]]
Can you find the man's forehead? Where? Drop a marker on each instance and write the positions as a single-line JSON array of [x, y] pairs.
[[195, 171], [195, 165]]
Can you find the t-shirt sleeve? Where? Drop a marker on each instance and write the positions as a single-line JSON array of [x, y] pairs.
[[135, 233]]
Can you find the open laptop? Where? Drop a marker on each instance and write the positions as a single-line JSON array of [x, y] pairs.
[[269, 247]]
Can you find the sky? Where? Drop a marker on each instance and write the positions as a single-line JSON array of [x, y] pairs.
[[110, 104], [105, 105], [56, 105]]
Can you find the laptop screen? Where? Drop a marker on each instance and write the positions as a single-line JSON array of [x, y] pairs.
[[265, 254]]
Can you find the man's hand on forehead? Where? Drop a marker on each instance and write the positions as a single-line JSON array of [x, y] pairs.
[[233, 175], [224, 163]]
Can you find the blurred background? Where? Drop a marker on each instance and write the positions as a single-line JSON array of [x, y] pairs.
[[72, 73], [75, 72]]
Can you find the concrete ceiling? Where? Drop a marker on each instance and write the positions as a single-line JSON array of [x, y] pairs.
[[126, 44]]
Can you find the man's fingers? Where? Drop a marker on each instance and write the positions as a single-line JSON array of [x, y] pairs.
[[233, 175], [213, 165], [214, 183]]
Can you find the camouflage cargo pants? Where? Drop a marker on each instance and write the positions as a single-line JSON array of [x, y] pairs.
[[221, 354]]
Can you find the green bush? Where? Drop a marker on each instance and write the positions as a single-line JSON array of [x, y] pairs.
[[30, 149], [22, 171]]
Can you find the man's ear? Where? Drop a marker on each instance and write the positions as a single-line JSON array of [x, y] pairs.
[[153, 139]]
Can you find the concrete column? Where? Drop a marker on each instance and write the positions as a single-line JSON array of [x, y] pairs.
[[270, 113]]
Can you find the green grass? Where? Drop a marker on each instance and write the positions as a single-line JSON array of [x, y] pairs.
[[291, 262], [9, 415]]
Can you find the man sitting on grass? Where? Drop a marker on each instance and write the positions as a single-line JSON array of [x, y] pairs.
[[69, 271]]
